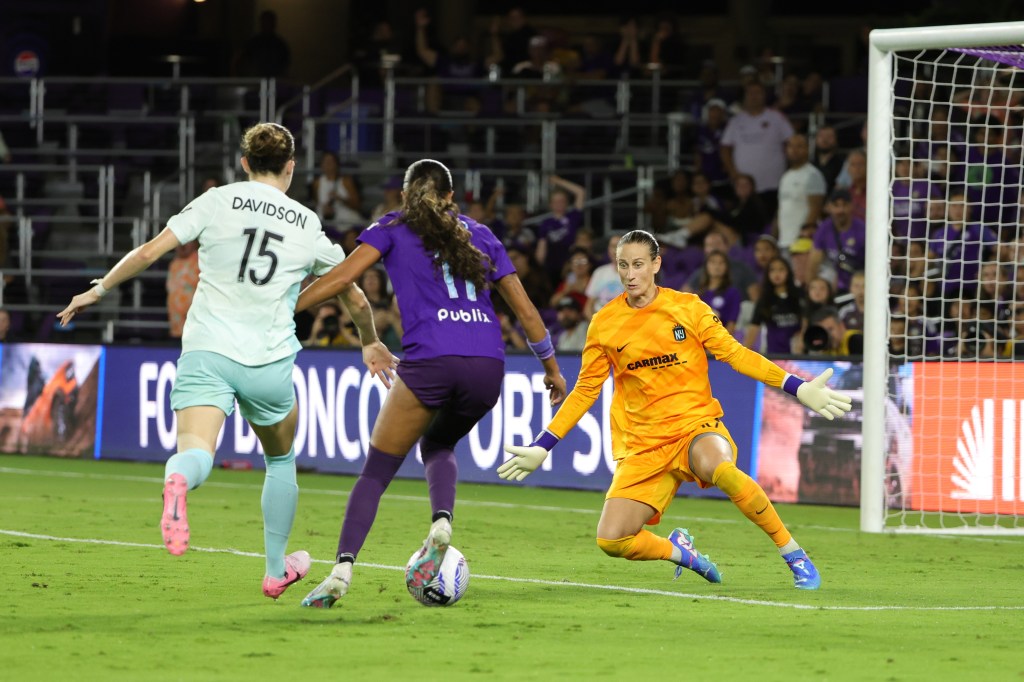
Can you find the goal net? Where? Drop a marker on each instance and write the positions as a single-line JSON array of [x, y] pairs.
[[944, 451]]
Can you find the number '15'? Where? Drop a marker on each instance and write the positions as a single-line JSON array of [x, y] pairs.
[[250, 234]]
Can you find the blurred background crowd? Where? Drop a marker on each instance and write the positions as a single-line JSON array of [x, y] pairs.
[[762, 216]]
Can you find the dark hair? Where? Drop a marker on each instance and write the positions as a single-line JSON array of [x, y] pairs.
[[763, 308], [332, 304], [434, 218], [580, 251], [749, 178], [268, 147], [823, 313], [385, 294], [641, 237], [705, 278]]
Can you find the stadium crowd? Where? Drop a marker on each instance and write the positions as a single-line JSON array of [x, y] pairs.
[[767, 225]]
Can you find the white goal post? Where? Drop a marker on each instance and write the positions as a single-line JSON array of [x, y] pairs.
[[943, 409]]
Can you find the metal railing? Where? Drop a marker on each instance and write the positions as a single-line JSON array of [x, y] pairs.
[[628, 138], [103, 202]]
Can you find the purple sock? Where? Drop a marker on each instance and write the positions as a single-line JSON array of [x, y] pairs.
[[377, 473], [442, 473]]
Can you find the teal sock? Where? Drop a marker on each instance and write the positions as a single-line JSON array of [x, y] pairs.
[[280, 497], [194, 464]]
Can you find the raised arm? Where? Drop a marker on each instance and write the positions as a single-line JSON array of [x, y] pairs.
[[814, 394], [423, 49], [663, 32], [134, 262], [628, 53], [497, 55], [579, 194]]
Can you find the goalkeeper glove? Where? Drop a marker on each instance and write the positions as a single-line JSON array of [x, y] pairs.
[[816, 395], [526, 458]]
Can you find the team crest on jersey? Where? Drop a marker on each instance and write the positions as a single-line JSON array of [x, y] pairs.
[[679, 333]]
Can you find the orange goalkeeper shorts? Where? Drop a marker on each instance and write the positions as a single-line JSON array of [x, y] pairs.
[[653, 477]]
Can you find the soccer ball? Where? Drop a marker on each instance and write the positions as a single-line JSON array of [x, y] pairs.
[[449, 585]]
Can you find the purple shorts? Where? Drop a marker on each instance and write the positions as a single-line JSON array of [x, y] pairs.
[[462, 390]]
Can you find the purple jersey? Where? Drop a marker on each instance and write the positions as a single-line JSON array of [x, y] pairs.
[[561, 235], [441, 314], [992, 177], [910, 206], [725, 303], [961, 252], [844, 249], [709, 148]]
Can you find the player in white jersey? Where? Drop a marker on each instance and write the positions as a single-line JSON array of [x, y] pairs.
[[256, 245]]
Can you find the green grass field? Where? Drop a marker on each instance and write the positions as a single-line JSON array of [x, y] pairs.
[[92, 595]]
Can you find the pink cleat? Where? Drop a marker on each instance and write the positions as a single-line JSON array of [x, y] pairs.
[[174, 522], [296, 566]]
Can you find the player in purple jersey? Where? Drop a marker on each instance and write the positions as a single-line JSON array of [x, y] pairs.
[[443, 267]]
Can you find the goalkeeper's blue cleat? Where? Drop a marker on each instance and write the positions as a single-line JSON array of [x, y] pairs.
[[805, 575], [699, 563]]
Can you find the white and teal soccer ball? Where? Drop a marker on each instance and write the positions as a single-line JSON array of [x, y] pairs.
[[449, 585]]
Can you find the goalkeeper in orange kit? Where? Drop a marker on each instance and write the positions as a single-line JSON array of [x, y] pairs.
[[670, 429]]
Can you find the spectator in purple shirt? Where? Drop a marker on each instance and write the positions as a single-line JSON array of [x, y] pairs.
[[960, 245], [443, 267], [556, 233], [992, 173], [708, 147], [937, 140], [840, 239], [911, 190], [717, 290]]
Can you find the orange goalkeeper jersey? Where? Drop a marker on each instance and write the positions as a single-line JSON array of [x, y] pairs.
[[658, 361]]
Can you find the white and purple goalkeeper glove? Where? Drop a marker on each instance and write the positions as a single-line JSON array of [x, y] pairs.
[[816, 395], [526, 458]]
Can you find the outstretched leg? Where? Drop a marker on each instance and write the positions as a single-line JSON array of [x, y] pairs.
[[621, 533], [711, 460]]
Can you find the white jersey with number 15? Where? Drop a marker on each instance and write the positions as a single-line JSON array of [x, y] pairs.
[[256, 245]]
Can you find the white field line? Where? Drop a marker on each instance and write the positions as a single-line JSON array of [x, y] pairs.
[[550, 583], [474, 503]]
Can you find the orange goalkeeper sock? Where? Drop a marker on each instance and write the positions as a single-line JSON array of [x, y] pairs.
[[644, 546], [751, 499]]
